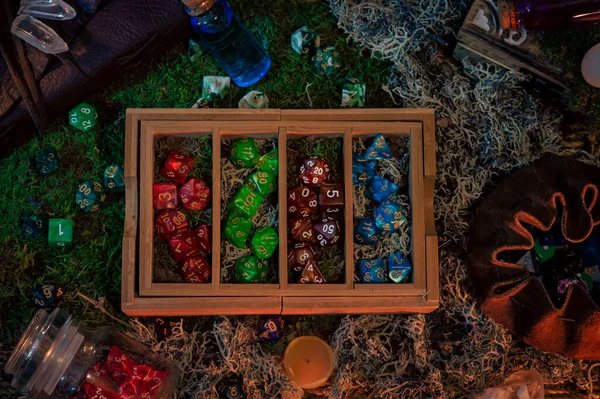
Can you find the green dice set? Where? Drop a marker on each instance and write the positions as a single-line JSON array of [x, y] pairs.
[[60, 233]]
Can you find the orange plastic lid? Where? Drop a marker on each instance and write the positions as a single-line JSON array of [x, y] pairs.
[[308, 362]]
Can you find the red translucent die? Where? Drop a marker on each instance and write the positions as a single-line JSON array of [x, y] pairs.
[[194, 194], [311, 274], [327, 231], [164, 196], [184, 245], [302, 230], [203, 237], [331, 198], [177, 167], [302, 202], [171, 222], [196, 270], [313, 171], [299, 255]]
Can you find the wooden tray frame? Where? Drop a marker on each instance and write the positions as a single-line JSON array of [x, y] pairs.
[[142, 297]]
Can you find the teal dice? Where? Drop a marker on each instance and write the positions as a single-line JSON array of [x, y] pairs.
[[264, 242], [89, 196], [83, 117], [305, 41], [237, 229], [354, 92], [250, 270], [246, 202], [46, 162], [35, 226], [244, 153], [326, 61], [362, 172], [366, 232], [60, 233], [378, 149], [263, 183], [389, 216], [114, 179]]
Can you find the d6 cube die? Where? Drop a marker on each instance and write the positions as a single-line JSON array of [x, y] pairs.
[[327, 231], [83, 117], [60, 232], [114, 178], [302, 230], [237, 229], [331, 198], [264, 242], [47, 296], [399, 269], [305, 41], [35, 226], [194, 194], [171, 222], [177, 167], [89, 196], [164, 196], [246, 202], [326, 61], [203, 236], [372, 271], [313, 171], [196, 270], [366, 232], [302, 202], [46, 162], [184, 245]]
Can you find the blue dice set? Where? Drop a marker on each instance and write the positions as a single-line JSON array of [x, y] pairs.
[[397, 270]]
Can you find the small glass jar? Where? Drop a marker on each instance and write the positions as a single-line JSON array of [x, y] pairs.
[[57, 356]]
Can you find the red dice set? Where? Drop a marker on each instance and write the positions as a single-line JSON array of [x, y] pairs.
[[302, 230], [327, 231], [196, 270], [177, 167], [203, 237], [171, 222], [194, 194], [164, 196], [184, 245]]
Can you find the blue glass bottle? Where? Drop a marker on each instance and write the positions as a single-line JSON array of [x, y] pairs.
[[231, 43]]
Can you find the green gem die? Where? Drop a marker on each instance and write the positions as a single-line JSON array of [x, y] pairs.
[[249, 269], [60, 233], [327, 61], [264, 242], [269, 162], [237, 229], [354, 93], [244, 153], [89, 196], [46, 162], [246, 202], [114, 179], [83, 117], [262, 182], [304, 41]]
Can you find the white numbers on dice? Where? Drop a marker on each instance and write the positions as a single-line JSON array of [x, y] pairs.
[[310, 268], [303, 257], [333, 193], [315, 180], [304, 213], [305, 192], [86, 124], [329, 229], [292, 208], [318, 279], [306, 234], [318, 171], [292, 196], [312, 203], [86, 110]]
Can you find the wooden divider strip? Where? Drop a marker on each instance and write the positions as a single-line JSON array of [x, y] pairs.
[[146, 207], [282, 195], [131, 208], [418, 209], [348, 209], [216, 208]]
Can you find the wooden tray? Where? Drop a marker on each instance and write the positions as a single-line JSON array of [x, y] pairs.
[[141, 296]]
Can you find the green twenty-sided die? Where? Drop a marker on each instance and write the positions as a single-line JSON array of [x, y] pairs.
[[354, 93], [89, 196], [246, 202], [250, 269], [114, 178], [46, 162], [262, 182], [304, 41], [237, 230], [244, 153], [269, 162], [60, 233], [327, 61], [264, 242], [83, 117]]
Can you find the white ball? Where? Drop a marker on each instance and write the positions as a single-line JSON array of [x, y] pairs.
[[590, 66]]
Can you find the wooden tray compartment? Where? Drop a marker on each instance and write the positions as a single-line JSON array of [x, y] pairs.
[[143, 296]]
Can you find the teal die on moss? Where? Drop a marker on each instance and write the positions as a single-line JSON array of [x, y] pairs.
[[215, 88], [354, 92], [35, 226], [89, 196], [253, 100], [46, 162], [305, 41], [83, 117], [60, 233], [114, 178], [327, 61]]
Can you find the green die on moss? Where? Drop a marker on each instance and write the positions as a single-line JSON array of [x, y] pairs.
[[327, 61], [114, 178], [83, 117], [304, 41], [60, 233], [46, 162], [264, 242], [237, 229], [354, 93], [89, 196]]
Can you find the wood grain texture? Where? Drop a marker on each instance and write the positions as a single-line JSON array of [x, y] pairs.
[[146, 213], [351, 305], [416, 191], [282, 196], [216, 209], [348, 210], [202, 306], [433, 269]]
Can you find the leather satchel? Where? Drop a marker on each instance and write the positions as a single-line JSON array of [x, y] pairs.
[[106, 39]]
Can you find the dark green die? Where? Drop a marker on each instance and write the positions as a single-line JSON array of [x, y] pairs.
[[237, 229], [46, 162], [263, 183], [304, 41], [35, 226], [89, 196], [327, 61], [114, 178], [354, 93], [244, 153], [246, 202], [83, 117], [264, 242], [269, 162], [249, 269], [60, 233]]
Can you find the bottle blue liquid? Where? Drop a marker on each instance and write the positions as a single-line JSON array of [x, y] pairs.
[[232, 44]]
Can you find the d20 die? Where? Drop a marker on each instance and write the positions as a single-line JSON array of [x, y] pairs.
[[331, 198], [83, 117], [302, 230], [177, 167], [381, 188], [196, 270], [379, 149], [327, 231], [35, 226], [270, 329], [366, 232], [60, 233], [244, 153], [215, 88], [184, 245], [399, 269], [326, 61], [194, 194], [89, 196], [362, 172], [237, 229], [302, 202], [263, 183], [298, 257], [46, 162], [164, 196], [269, 162], [264, 242], [389, 216], [114, 178], [47, 296], [311, 274], [171, 222], [250, 269], [372, 271], [246, 202], [354, 92], [305, 41], [203, 236], [313, 171]]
